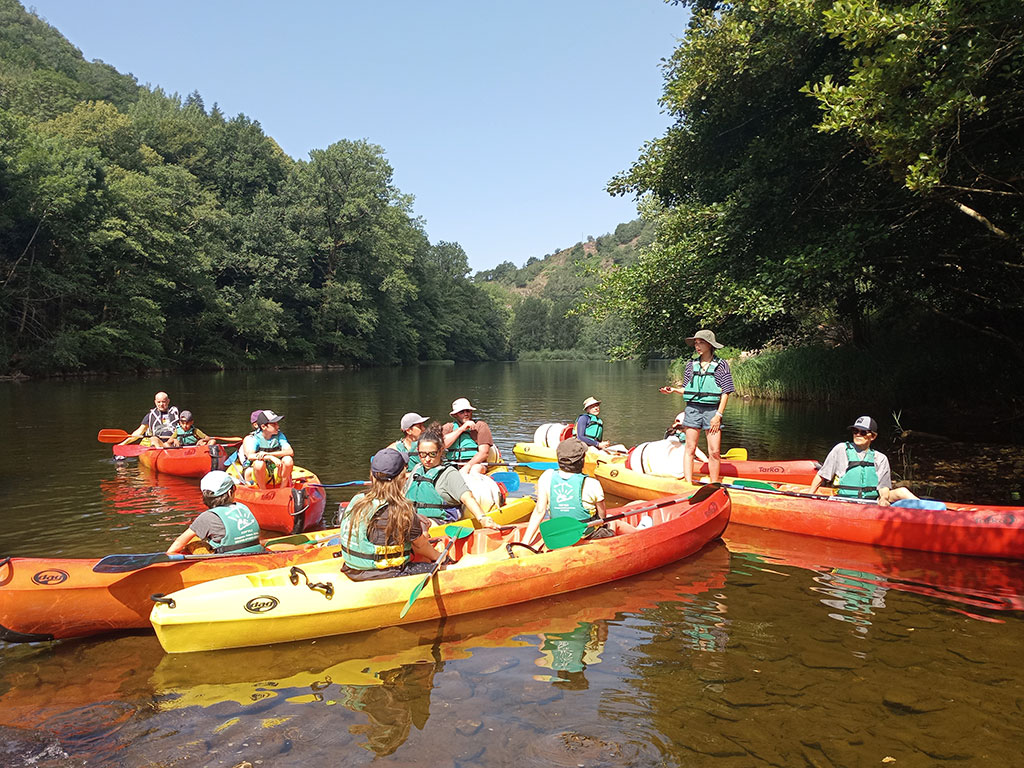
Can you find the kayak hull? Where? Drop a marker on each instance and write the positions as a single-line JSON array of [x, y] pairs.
[[960, 529], [193, 461], [58, 598], [294, 509], [800, 471], [256, 609]]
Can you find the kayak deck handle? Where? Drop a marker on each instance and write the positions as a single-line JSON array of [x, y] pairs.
[[160, 597], [326, 587], [511, 544]]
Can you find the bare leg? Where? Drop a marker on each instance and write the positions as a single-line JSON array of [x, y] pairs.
[[691, 449], [714, 454], [285, 471], [259, 473]]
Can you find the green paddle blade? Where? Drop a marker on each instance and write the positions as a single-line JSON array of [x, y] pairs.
[[761, 484], [561, 532], [454, 533]]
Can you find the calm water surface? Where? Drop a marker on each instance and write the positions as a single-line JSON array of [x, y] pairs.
[[764, 649]]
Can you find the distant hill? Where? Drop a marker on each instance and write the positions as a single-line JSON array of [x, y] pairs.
[[541, 294]]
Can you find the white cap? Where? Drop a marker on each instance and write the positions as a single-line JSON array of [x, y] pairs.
[[680, 416], [410, 420], [216, 483], [462, 404]]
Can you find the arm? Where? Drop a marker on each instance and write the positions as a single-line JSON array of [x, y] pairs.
[[422, 547], [182, 541], [480, 458], [471, 505], [716, 420], [884, 473], [815, 484], [581, 426], [453, 434], [539, 510]]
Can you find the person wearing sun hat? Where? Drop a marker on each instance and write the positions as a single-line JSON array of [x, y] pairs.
[[707, 384], [379, 529], [412, 428], [467, 440], [590, 427], [226, 525], [858, 471]]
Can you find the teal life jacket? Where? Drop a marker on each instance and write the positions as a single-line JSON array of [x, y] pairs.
[[186, 437], [703, 389], [262, 446], [424, 495], [595, 428], [565, 497], [412, 458], [464, 448], [860, 480], [359, 552], [241, 531]]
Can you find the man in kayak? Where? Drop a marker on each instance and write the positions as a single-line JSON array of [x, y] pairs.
[[268, 456], [159, 423], [412, 428], [589, 427], [380, 530], [226, 525], [439, 491], [468, 442], [187, 433], [858, 471], [567, 492]]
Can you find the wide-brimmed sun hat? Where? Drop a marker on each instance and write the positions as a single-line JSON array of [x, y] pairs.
[[461, 404], [704, 335], [590, 401]]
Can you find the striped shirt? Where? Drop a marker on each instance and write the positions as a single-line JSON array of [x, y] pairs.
[[723, 376]]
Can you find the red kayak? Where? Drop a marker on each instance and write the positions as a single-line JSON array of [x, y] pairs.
[[959, 529], [194, 461], [45, 598], [294, 509]]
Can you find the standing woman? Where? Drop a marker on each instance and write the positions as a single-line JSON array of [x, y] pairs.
[[707, 384], [439, 491], [380, 531]]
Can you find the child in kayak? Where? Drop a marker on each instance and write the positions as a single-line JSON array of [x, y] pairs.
[[187, 433], [227, 525]]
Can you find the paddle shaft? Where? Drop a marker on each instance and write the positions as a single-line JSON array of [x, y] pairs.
[[455, 534], [120, 435]]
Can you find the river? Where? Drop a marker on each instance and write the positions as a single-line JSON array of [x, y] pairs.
[[763, 649]]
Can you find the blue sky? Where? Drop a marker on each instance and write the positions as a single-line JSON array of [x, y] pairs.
[[505, 121]]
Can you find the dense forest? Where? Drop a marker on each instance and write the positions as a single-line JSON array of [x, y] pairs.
[[140, 229], [841, 175]]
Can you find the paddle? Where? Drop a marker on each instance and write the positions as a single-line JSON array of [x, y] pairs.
[[509, 479], [454, 533], [127, 563], [340, 485], [560, 532], [760, 486], [735, 454], [119, 435]]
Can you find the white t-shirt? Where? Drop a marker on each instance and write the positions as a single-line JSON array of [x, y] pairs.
[[836, 464], [592, 491]]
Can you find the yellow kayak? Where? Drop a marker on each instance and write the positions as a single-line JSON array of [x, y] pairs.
[[533, 452], [514, 511]]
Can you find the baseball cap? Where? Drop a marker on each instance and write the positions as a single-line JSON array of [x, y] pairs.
[[185, 416], [216, 483], [255, 415], [865, 422], [410, 420], [268, 417], [388, 462], [570, 454], [680, 417]]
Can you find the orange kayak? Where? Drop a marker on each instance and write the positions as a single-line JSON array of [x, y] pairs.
[[55, 598], [958, 529], [194, 461], [293, 509]]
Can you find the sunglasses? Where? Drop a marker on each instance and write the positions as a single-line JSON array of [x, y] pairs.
[[861, 432], [426, 454]]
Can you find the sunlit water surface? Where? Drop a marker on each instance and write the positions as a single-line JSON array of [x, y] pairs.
[[764, 649]]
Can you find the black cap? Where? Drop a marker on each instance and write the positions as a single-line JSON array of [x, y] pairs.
[[387, 462]]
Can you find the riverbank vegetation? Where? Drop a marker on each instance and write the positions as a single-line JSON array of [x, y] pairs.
[[843, 178], [143, 230]]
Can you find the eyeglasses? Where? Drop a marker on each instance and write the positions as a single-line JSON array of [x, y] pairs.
[[861, 432], [426, 454]]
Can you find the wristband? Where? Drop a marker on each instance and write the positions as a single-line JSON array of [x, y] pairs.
[[720, 414]]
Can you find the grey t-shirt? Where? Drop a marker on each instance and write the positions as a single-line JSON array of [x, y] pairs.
[[450, 484], [836, 464]]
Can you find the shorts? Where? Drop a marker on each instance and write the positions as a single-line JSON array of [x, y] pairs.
[[699, 416], [600, 532]]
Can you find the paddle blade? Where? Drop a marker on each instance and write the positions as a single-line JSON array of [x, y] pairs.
[[735, 454], [760, 484], [540, 466], [112, 435], [126, 563], [509, 479], [705, 492], [561, 532], [454, 533]]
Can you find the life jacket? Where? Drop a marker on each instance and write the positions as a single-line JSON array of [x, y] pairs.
[[595, 428], [703, 389], [161, 424], [565, 497], [464, 448], [424, 495], [412, 458], [262, 445], [360, 553], [186, 437], [241, 531], [861, 478]]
